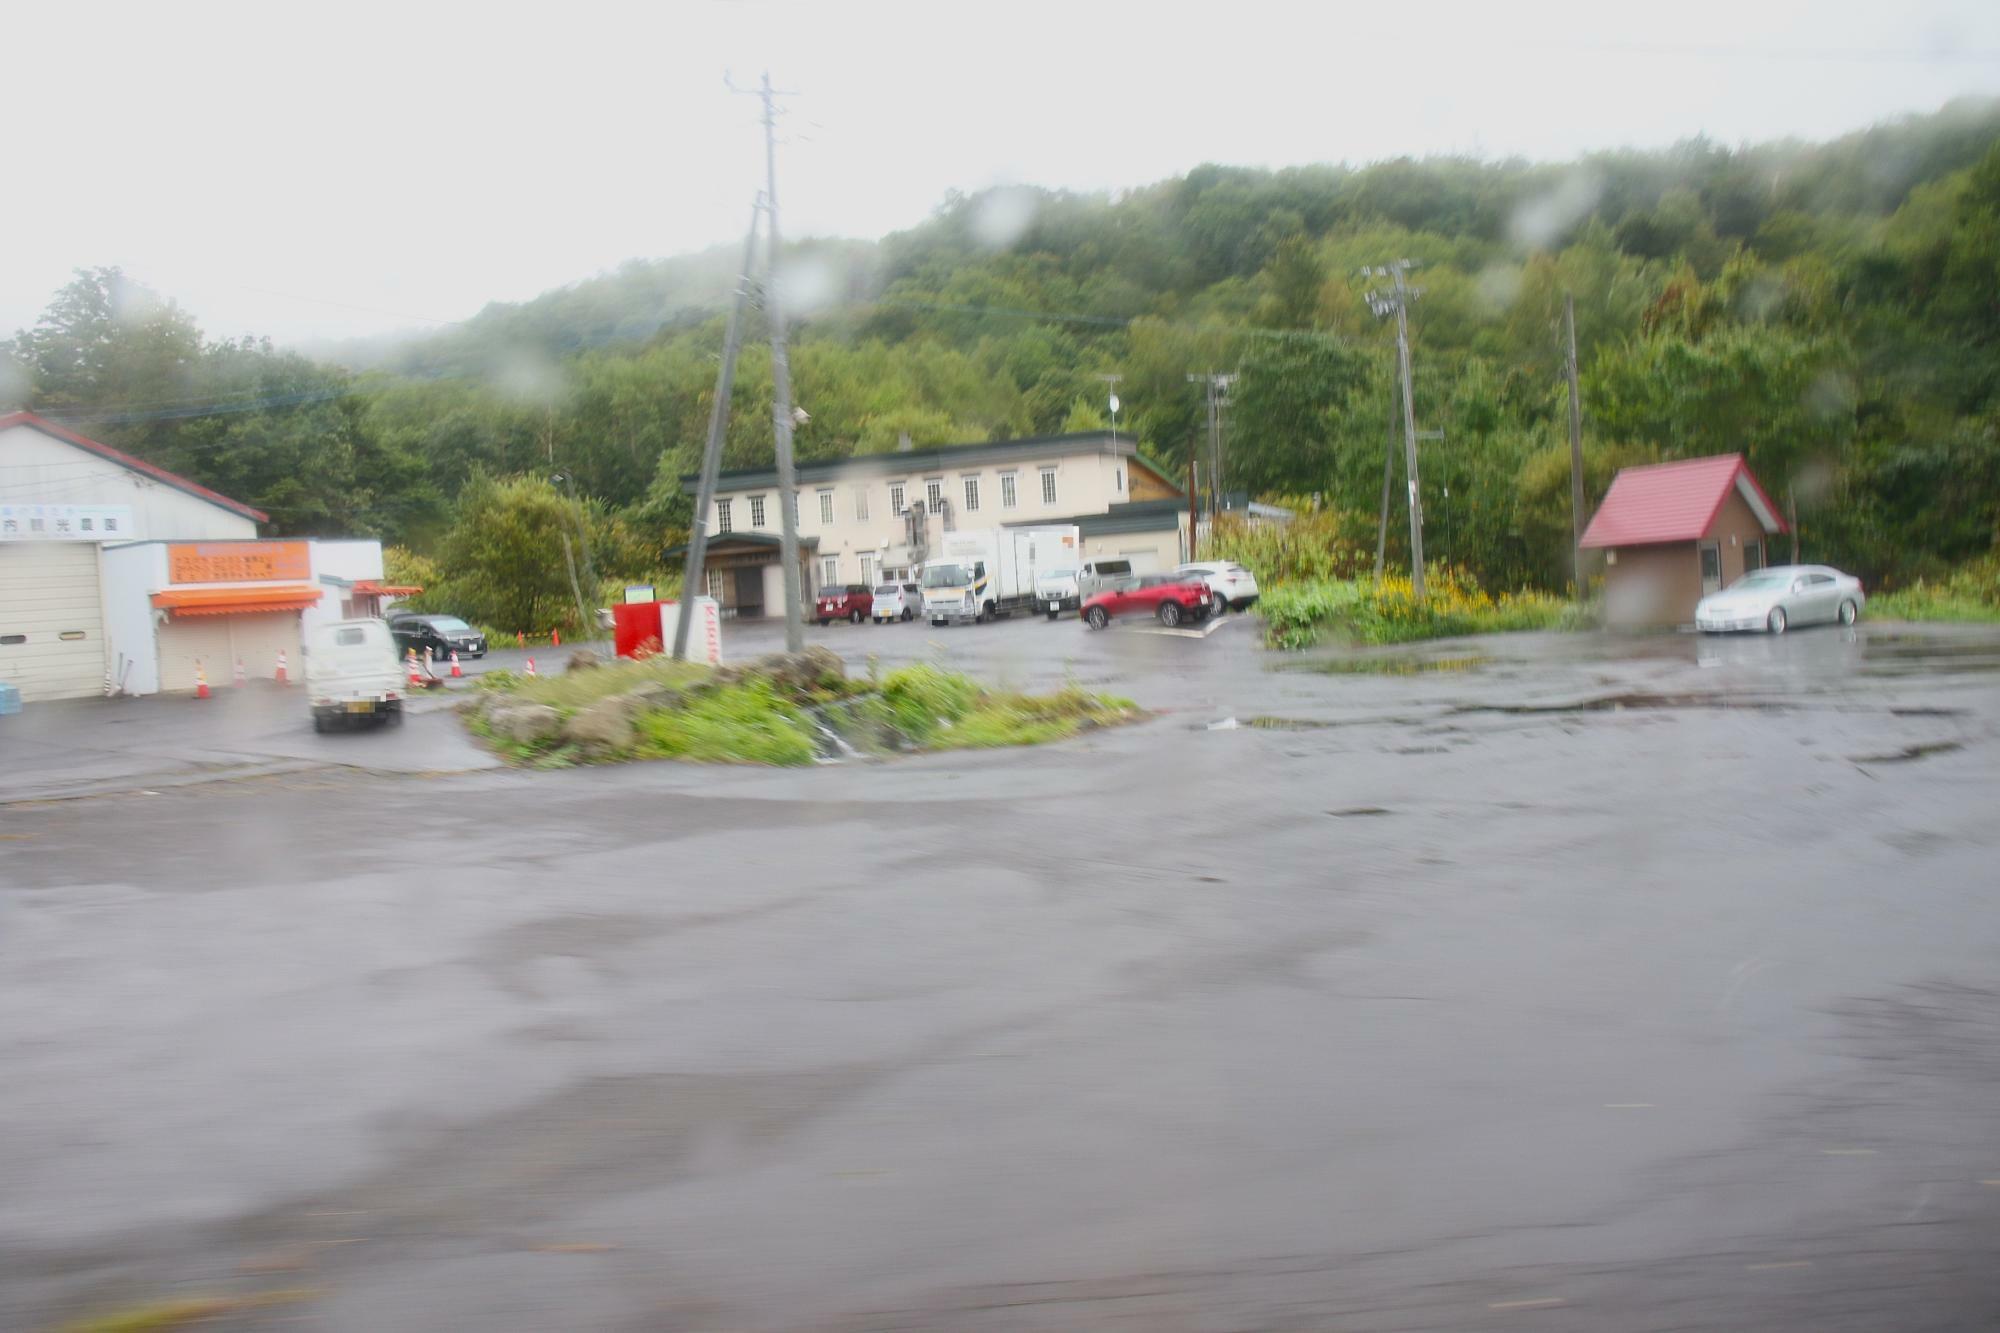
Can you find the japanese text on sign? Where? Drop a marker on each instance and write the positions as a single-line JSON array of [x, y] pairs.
[[239, 562]]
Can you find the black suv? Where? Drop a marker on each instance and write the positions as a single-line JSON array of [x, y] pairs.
[[443, 635]]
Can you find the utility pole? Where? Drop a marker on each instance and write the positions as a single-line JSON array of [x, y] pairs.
[[1194, 516], [781, 385], [1398, 303], [1216, 386], [1575, 445], [569, 559], [1388, 471], [567, 480], [718, 428]]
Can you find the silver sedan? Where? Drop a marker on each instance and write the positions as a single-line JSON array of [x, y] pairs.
[[1777, 598]]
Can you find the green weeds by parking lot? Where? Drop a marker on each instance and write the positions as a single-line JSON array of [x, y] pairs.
[[1970, 593], [1387, 610], [784, 710]]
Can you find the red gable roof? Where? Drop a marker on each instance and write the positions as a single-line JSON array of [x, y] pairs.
[[1675, 502], [125, 460]]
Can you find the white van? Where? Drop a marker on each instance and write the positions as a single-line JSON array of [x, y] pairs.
[[353, 675]]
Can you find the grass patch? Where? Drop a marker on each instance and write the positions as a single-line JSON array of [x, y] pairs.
[[784, 711], [1388, 610], [572, 690], [1971, 594], [736, 724]]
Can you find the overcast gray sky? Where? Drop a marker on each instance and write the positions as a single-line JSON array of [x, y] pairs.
[[331, 170]]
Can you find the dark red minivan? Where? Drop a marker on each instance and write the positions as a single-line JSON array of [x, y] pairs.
[[852, 601]]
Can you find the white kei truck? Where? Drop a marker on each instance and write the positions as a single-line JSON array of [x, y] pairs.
[[982, 573], [352, 675]]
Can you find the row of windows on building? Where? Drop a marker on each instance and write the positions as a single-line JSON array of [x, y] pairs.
[[934, 499]]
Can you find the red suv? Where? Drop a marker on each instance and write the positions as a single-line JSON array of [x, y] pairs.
[[853, 601], [1171, 597]]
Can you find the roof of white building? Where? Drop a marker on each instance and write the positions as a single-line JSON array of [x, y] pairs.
[[125, 460]]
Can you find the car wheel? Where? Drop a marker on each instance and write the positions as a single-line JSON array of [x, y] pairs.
[[1217, 603], [854, 617], [1096, 618], [393, 718], [908, 614], [1052, 616], [822, 624], [1170, 614], [1777, 620], [1848, 612], [320, 721]]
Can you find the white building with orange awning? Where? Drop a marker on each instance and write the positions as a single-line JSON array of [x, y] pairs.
[[178, 607], [118, 576]]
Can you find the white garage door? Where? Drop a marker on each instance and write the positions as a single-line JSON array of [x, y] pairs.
[[218, 642], [51, 624]]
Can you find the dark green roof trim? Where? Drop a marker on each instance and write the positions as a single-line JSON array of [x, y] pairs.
[[723, 539], [1134, 516], [917, 461]]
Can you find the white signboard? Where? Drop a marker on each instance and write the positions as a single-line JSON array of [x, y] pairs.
[[65, 523], [704, 632]]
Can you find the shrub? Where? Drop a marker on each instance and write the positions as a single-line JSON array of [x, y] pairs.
[[1971, 592], [1389, 611]]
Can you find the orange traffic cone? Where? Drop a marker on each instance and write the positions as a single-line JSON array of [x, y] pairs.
[[455, 672], [200, 681], [241, 677], [410, 664], [281, 666], [520, 639], [555, 638], [531, 667]]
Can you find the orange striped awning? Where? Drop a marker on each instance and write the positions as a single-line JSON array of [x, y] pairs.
[[237, 601]]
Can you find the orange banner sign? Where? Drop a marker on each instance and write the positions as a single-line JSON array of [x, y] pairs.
[[239, 562]]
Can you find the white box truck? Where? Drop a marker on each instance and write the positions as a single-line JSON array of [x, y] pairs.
[[986, 572]]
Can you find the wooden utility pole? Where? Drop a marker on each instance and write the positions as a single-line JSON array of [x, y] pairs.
[[781, 385], [1216, 386], [1575, 447], [569, 559], [1388, 471], [1194, 515], [718, 428]]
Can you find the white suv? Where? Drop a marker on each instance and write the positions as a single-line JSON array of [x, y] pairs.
[[1230, 586]]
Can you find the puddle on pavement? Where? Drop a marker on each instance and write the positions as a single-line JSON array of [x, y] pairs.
[[1909, 753], [1387, 666], [1264, 724], [1637, 700], [1359, 812]]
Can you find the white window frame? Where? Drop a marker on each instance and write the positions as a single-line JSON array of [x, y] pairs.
[[868, 570], [722, 524], [934, 494], [1048, 485], [897, 504], [757, 511], [971, 494], [826, 507], [1010, 490], [715, 584], [860, 504], [829, 570]]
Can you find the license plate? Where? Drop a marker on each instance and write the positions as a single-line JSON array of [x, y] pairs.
[[1055, 606], [361, 705]]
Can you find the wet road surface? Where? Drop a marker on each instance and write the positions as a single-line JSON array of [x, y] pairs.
[[1539, 982]]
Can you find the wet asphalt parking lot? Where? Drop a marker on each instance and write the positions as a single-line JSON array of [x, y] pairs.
[[1537, 982]]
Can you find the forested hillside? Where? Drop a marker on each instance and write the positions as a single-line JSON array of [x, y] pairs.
[[1833, 310]]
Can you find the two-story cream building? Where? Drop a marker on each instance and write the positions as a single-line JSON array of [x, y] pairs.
[[869, 519]]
